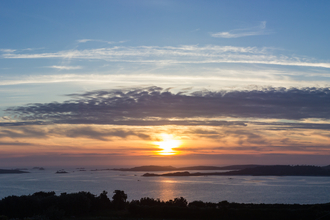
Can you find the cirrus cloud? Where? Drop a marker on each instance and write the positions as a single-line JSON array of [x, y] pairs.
[[245, 32], [169, 55], [66, 67]]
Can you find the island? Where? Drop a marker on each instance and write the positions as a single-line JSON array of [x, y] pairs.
[[271, 170], [14, 171], [61, 171], [171, 168], [38, 168]]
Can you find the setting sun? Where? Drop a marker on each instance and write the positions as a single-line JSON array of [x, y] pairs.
[[167, 145]]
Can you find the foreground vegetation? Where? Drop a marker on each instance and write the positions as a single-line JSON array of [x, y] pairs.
[[84, 205]]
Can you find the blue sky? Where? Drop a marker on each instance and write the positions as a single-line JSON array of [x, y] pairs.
[[50, 50], [295, 29], [298, 26]]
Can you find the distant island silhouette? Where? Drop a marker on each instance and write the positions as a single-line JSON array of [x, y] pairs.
[[234, 170], [171, 168], [8, 171], [61, 171], [38, 168], [271, 170]]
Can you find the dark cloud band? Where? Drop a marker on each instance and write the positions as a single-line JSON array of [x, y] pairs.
[[155, 106]]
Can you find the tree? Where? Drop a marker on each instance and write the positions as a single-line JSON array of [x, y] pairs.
[[103, 202], [180, 202], [119, 199]]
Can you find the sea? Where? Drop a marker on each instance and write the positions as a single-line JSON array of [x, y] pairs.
[[240, 189]]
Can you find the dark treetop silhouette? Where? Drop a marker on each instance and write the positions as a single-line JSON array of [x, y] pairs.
[[47, 205]]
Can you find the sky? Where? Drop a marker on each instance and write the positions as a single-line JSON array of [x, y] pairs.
[[164, 82]]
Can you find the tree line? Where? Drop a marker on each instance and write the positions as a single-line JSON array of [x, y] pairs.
[[49, 206]]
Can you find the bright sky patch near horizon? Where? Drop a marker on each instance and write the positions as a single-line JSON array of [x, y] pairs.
[[99, 83]]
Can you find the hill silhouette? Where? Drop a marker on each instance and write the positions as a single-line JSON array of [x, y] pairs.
[[274, 170], [171, 168]]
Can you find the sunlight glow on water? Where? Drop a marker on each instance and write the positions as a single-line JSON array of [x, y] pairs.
[[242, 189]]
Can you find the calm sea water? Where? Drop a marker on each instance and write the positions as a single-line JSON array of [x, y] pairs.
[[241, 189]]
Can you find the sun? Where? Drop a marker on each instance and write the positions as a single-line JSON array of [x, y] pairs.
[[167, 145]]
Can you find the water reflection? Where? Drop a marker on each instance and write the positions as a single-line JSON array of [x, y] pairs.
[[167, 189], [244, 189], [168, 181]]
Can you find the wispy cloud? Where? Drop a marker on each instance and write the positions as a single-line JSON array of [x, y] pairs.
[[15, 50], [84, 40], [198, 29], [102, 41], [102, 133], [97, 133], [186, 54], [31, 49], [66, 67], [245, 32], [7, 50], [24, 132], [14, 144], [212, 78]]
